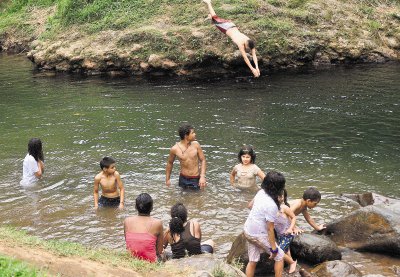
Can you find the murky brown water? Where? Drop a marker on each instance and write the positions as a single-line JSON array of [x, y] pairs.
[[336, 129]]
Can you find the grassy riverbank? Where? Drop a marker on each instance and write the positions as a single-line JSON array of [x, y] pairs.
[[65, 255], [11, 267], [127, 32]]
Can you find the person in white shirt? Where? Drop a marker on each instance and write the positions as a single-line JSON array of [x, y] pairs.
[[33, 165], [259, 226]]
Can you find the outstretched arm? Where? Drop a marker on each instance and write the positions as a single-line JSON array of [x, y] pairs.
[[210, 8], [312, 222], [255, 71], [253, 53]]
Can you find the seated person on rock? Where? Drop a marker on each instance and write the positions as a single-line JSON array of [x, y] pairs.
[[143, 233], [185, 236], [311, 198]]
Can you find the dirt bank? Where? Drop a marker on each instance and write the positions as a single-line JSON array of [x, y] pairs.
[[288, 33]]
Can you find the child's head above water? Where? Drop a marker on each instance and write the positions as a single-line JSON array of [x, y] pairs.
[[247, 150], [106, 162], [312, 197]]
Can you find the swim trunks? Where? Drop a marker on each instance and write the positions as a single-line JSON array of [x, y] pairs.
[[191, 182], [222, 24], [109, 202], [284, 242]]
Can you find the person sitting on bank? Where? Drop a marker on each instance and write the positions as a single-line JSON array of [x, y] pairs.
[[243, 42], [110, 181], [143, 233], [185, 236]]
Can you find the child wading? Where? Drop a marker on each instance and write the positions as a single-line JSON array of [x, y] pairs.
[[246, 171], [110, 181], [33, 165]]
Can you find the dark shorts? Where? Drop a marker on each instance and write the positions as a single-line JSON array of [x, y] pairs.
[[284, 242], [206, 248], [109, 202], [189, 182]]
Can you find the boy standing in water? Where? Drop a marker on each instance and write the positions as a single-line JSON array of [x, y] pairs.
[[311, 198], [191, 158], [243, 42], [110, 181]]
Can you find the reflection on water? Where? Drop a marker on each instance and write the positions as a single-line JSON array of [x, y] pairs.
[[336, 129]]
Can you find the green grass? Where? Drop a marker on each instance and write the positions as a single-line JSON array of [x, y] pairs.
[[10, 268], [113, 257]]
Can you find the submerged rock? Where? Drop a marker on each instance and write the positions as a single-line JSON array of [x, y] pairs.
[[336, 269]]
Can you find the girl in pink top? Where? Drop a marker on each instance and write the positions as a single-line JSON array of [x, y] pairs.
[[143, 233]]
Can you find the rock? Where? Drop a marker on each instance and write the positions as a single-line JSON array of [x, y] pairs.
[[265, 266], [314, 248], [206, 265], [336, 269], [155, 60], [373, 228], [369, 198], [168, 64]]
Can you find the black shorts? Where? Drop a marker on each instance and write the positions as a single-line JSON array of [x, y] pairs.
[[206, 248], [109, 202], [191, 182]]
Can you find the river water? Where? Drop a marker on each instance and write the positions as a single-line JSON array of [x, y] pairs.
[[337, 129]]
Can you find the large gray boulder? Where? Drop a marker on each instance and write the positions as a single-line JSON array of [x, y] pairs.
[[370, 198], [373, 228], [314, 248], [336, 269], [205, 265]]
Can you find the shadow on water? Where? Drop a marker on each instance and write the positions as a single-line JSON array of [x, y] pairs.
[[336, 129]]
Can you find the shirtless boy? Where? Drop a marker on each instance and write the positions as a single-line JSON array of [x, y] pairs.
[[243, 42], [191, 158], [311, 198], [110, 181]]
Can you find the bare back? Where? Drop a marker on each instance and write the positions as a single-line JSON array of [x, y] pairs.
[[297, 206], [237, 37]]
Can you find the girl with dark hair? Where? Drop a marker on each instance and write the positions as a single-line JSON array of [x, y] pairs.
[[259, 226], [246, 170], [185, 236], [285, 224], [33, 165], [143, 233]]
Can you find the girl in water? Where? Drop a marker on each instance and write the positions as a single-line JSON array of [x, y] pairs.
[[33, 165], [246, 170]]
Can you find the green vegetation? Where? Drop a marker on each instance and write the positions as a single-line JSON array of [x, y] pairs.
[[176, 29], [63, 248], [10, 267]]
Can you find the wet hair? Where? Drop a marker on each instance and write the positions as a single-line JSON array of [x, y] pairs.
[[144, 203], [184, 130], [35, 149], [106, 162], [273, 184], [178, 218], [251, 43], [313, 194], [247, 149], [284, 192]]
